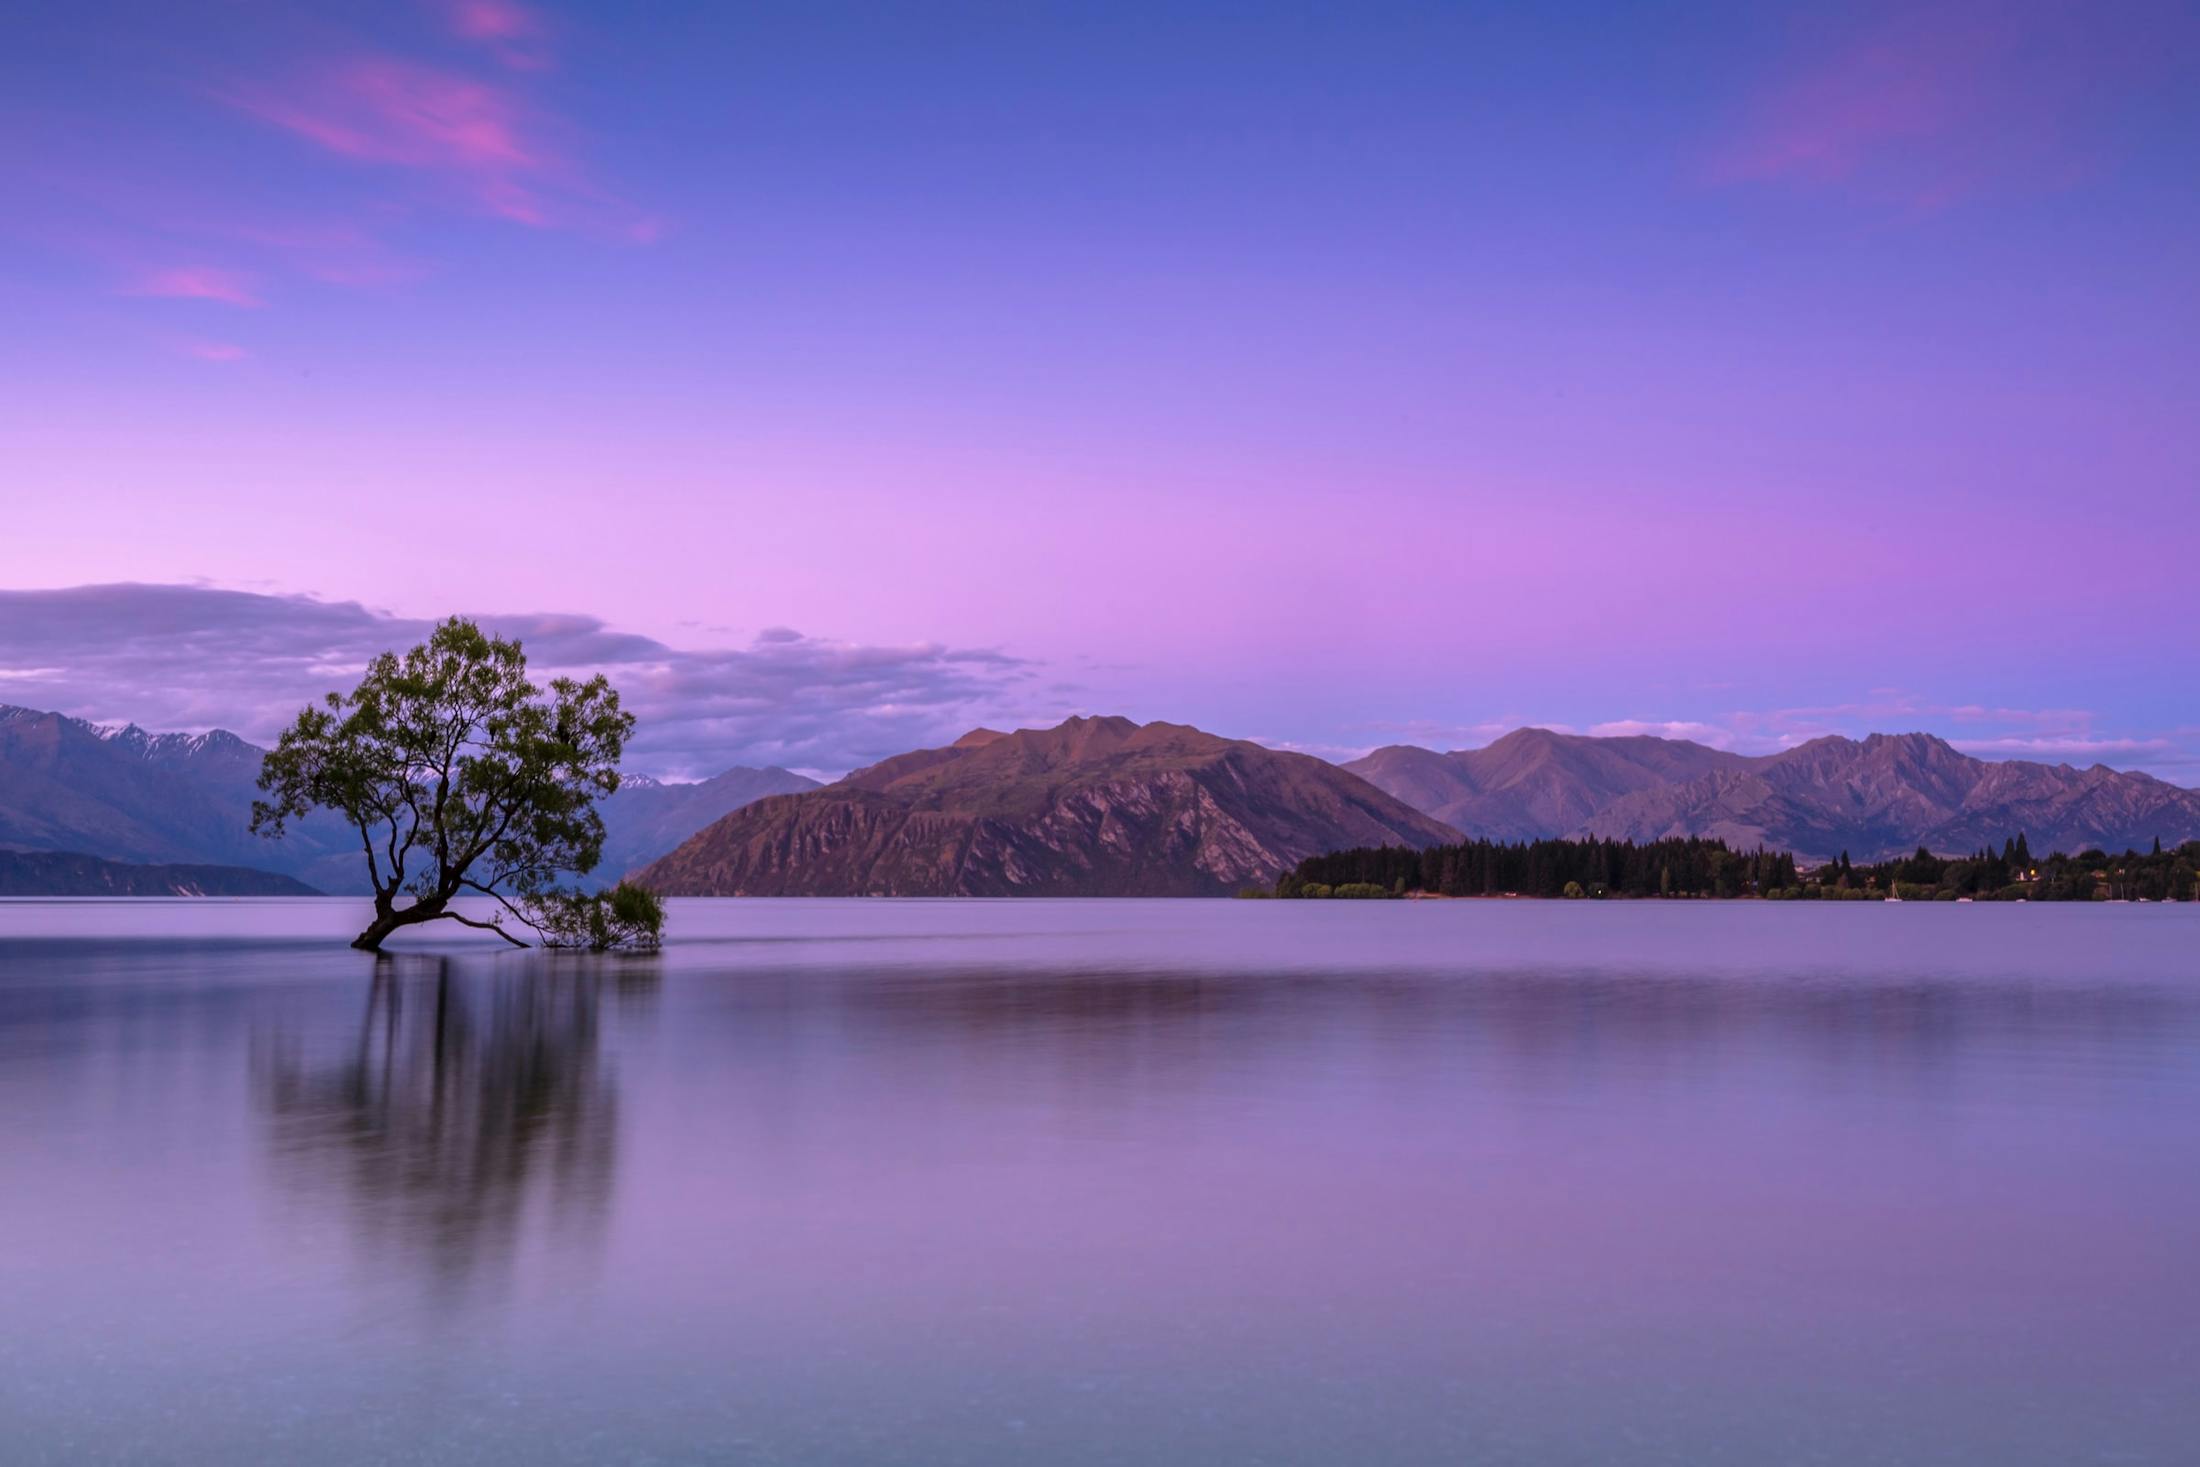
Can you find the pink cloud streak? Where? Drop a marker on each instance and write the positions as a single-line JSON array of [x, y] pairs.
[[196, 283], [478, 137], [332, 253], [1943, 101], [1828, 123], [513, 32], [382, 110], [402, 114]]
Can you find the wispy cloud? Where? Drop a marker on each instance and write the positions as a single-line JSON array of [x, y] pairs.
[[402, 114], [1926, 105], [1334, 753], [441, 108], [1431, 734], [2074, 749], [514, 33], [218, 352], [332, 252], [198, 657], [1702, 733], [196, 283], [1885, 91]]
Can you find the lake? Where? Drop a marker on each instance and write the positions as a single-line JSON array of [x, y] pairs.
[[1106, 1182]]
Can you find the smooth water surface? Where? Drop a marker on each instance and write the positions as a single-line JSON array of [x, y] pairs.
[[1106, 1182]]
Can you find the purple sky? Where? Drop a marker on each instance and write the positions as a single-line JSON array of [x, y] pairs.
[[1328, 374]]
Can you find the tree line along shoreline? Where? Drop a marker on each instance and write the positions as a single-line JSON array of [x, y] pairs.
[[1702, 868]]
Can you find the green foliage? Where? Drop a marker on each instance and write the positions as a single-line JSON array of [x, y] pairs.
[[2014, 874], [627, 916], [1290, 885], [461, 776], [1547, 868], [1696, 867]]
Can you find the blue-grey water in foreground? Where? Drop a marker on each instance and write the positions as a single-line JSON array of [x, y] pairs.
[[1106, 1182]]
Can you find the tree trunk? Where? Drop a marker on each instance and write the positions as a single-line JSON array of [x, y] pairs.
[[388, 918]]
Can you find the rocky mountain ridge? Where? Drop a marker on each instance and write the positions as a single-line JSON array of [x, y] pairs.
[[1091, 807], [1533, 782], [1876, 797], [1107, 805]]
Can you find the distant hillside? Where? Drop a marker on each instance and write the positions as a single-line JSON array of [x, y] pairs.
[[647, 819], [126, 795], [1886, 795], [1093, 807], [1534, 783], [1876, 798], [72, 874]]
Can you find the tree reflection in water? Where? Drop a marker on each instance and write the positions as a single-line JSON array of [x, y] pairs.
[[475, 1115]]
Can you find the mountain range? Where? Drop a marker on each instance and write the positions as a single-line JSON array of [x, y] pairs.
[[1875, 798], [1534, 783], [1092, 807], [1099, 806], [124, 795]]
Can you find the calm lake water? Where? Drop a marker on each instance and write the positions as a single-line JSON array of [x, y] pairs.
[[1106, 1182]]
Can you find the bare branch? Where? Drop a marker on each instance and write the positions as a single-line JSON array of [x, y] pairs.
[[498, 897], [466, 921]]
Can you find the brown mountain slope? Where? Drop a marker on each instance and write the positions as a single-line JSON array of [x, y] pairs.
[[1093, 807], [1876, 797], [1890, 793], [1532, 782]]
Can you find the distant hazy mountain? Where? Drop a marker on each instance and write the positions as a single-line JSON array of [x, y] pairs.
[[123, 794], [72, 874], [1093, 807], [1878, 797], [648, 818], [1533, 782]]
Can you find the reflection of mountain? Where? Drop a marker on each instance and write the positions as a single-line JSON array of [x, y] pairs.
[[1114, 1039], [471, 1110]]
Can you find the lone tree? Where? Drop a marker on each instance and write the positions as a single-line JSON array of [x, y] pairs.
[[466, 781]]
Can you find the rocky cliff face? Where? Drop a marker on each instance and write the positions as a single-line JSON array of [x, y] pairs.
[[1093, 807]]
